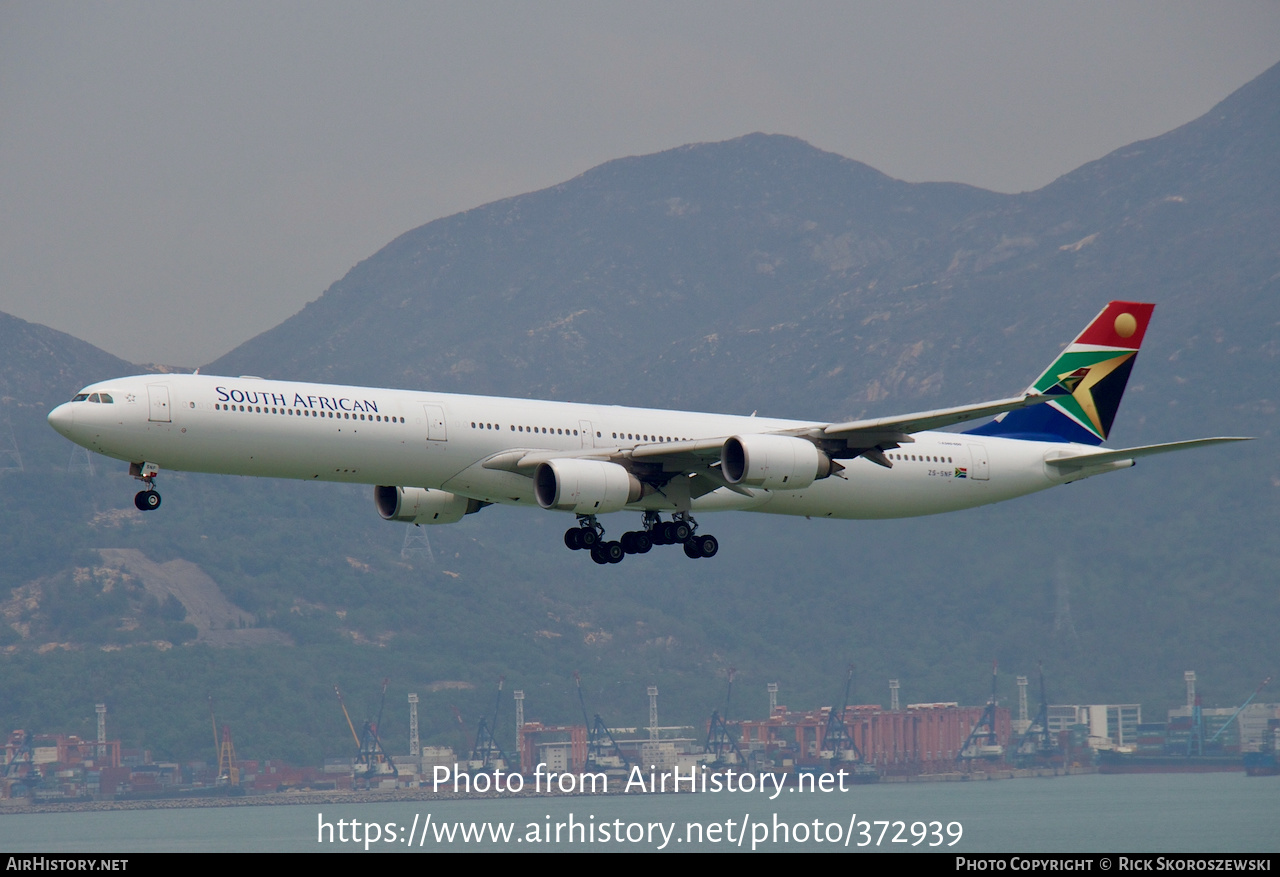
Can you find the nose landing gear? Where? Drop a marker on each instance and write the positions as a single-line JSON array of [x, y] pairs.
[[146, 500]]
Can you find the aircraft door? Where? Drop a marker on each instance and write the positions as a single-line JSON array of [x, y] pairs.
[[586, 433], [981, 469], [158, 395], [435, 423]]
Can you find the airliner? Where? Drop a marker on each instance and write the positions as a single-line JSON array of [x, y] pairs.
[[433, 458]]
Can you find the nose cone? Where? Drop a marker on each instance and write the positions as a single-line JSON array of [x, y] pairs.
[[63, 418]]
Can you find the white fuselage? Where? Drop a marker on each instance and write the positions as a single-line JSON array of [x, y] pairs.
[[319, 432]]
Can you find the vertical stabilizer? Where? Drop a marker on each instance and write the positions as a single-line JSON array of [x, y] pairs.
[[1088, 379]]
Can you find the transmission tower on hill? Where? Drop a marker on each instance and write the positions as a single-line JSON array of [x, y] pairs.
[[81, 462], [10, 459], [416, 543]]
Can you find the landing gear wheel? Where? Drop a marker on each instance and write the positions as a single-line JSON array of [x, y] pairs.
[[707, 545], [590, 538], [573, 538], [598, 555], [691, 550], [613, 551], [146, 500], [636, 542], [680, 531]]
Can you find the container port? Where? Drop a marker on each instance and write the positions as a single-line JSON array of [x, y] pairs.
[[867, 741]]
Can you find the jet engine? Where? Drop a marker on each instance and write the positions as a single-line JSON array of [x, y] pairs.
[[774, 462], [418, 505], [585, 487]]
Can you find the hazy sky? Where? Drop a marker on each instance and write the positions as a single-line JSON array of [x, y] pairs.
[[178, 177]]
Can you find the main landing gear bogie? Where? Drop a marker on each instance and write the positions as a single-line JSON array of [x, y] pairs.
[[701, 546], [680, 530]]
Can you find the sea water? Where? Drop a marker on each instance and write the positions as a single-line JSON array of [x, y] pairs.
[[1158, 813]]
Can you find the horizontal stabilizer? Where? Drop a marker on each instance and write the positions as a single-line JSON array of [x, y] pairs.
[[1067, 463]]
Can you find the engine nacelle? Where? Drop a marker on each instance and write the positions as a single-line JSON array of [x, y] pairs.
[[773, 462], [585, 487], [418, 505]]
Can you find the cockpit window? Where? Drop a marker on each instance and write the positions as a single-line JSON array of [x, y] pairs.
[[107, 398], [94, 398], [80, 397]]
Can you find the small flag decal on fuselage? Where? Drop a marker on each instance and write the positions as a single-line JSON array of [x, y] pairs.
[[962, 472]]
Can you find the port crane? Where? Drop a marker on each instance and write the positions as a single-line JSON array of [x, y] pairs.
[[1227, 724], [982, 742], [486, 753], [1036, 744], [228, 770], [371, 759], [21, 766], [837, 743], [599, 754], [721, 744]]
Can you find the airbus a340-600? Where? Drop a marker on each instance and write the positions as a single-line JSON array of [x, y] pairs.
[[435, 457]]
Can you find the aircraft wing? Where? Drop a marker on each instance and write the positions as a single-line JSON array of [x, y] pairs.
[[857, 436], [881, 430], [868, 438], [871, 438]]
